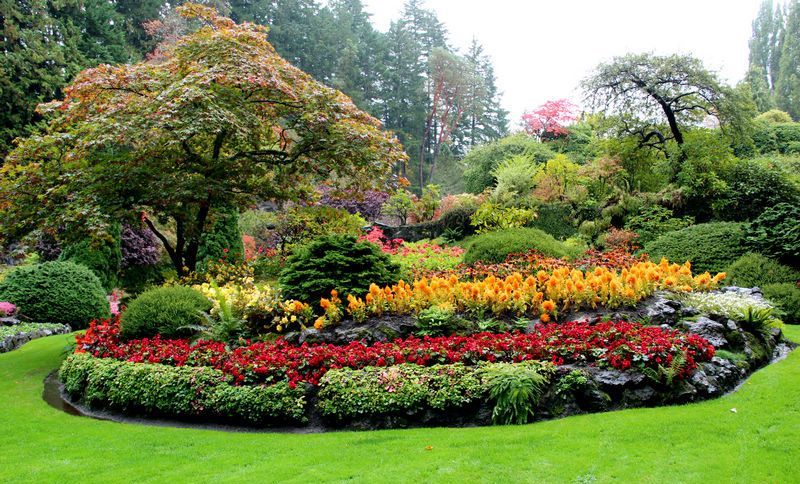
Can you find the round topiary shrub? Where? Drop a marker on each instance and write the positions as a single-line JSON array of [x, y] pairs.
[[494, 247], [56, 292], [338, 262], [755, 270], [786, 297], [709, 247], [168, 311]]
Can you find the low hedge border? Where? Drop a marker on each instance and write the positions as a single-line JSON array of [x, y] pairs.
[[178, 392], [12, 337]]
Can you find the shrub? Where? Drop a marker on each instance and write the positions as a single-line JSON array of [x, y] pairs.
[[56, 292], [103, 257], [515, 389], [776, 233], [709, 247], [774, 116], [301, 225], [752, 270], [491, 217], [556, 220], [494, 247], [401, 389], [786, 297], [139, 247], [367, 204], [399, 205], [418, 259], [223, 240], [752, 188], [655, 221], [436, 321], [425, 207], [183, 392], [515, 183], [336, 262], [482, 161], [168, 311]]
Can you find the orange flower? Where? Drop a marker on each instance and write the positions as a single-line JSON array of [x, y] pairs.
[[545, 318], [549, 306]]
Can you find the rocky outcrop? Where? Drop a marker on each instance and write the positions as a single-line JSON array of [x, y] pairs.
[[16, 340]]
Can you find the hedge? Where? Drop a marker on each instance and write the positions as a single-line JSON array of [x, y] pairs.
[[709, 247]]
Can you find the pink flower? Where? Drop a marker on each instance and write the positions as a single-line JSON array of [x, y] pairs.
[[7, 309]]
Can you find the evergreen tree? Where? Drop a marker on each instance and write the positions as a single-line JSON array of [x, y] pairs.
[[787, 88], [484, 118]]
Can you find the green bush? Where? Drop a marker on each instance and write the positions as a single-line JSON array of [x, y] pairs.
[[490, 217], [336, 262], [223, 240], [776, 233], [178, 392], [56, 292], [786, 297], [556, 219], [753, 187], [709, 247], [494, 247], [436, 321], [515, 389], [652, 222], [482, 161], [301, 225], [103, 257], [755, 270], [402, 389], [167, 311]]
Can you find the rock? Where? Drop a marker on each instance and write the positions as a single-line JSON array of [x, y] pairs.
[[639, 397], [616, 378], [660, 309], [709, 329], [10, 321]]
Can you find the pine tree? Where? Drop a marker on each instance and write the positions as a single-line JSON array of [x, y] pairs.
[[484, 118], [787, 88]]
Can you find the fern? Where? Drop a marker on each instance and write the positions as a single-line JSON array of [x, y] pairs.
[[516, 390]]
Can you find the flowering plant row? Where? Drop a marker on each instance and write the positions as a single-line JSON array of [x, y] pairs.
[[543, 294], [621, 345]]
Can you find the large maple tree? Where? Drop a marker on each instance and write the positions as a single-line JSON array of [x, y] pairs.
[[218, 120]]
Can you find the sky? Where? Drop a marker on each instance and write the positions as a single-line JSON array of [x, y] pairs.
[[542, 49]]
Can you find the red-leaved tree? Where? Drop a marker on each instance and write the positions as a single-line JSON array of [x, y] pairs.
[[549, 120]]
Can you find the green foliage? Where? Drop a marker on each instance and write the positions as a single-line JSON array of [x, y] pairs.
[[56, 292], [494, 247], [781, 138], [399, 205], [655, 221], [709, 247], [776, 233], [223, 240], [555, 219], [26, 328], [436, 321], [257, 224], [178, 392], [300, 225], [482, 161], [336, 262], [103, 257], [666, 374], [515, 389], [702, 175], [425, 207], [756, 270], [515, 181], [401, 389], [786, 298], [774, 116], [753, 187], [172, 312], [490, 217]]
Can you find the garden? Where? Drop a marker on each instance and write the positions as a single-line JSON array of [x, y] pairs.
[[216, 250]]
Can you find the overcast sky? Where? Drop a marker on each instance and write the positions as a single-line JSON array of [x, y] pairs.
[[542, 49]]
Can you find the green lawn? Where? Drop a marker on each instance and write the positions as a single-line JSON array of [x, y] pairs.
[[705, 442]]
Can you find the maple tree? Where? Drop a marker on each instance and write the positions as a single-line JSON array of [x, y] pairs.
[[218, 121], [550, 120]]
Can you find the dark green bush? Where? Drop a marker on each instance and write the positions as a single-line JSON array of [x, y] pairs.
[[776, 137], [752, 188], [336, 262], [402, 389], [494, 247], [103, 257], [223, 240], [654, 221], [166, 311], [786, 297], [755, 270], [776, 233], [709, 247], [56, 292], [556, 219], [178, 392]]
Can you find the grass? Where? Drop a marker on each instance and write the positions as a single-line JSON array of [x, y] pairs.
[[704, 442]]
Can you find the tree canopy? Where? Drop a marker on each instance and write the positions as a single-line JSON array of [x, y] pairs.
[[219, 120]]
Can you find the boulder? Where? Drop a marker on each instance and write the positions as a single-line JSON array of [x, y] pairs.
[[709, 329]]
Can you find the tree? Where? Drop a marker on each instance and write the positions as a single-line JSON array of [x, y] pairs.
[[220, 122], [765, 45], [657, 98], [484, 118], [550, 120], [787, 86]]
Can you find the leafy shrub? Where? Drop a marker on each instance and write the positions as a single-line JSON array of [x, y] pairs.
[[776, 137], [494, 247], [336, 262], [556, 220], [776, 233], [301, 225], [752, 270], [515, 389], [103, 257], [785, 297], [56, 292], [138, 247], [774, 116], [367, 204], [655, 221], [425, 207], [752, 188], [709, 247], [436, 321], [223, 240], [168, 311], [399, 205], [183, 392], [257, 224], [418, 259], [482, 161], [514, 181], [491, 217], [401, 389]]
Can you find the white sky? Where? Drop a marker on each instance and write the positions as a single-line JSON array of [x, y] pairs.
[[541, 49]]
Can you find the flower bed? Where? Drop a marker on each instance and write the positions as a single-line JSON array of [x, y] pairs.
[[619, 345]]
